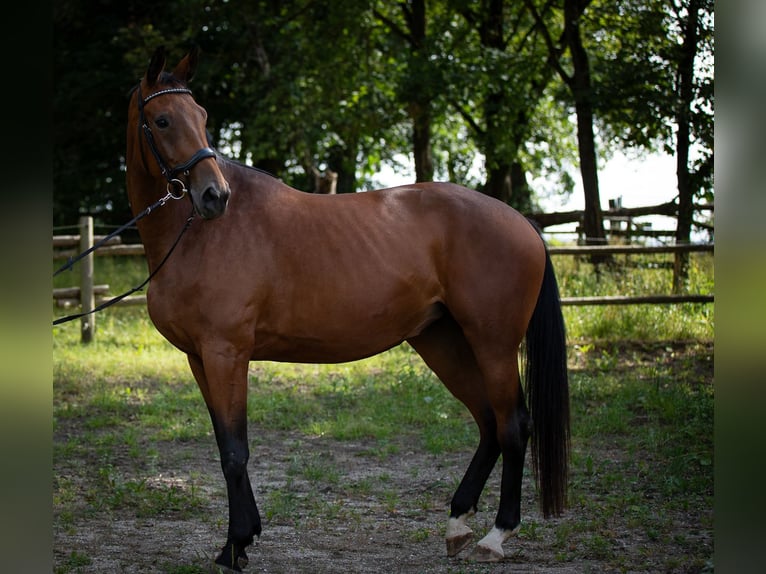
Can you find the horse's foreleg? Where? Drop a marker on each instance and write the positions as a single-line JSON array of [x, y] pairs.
[[244, 519], [224, 385]]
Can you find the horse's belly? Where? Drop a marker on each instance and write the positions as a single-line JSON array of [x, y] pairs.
[[343, 338], [310, 351]]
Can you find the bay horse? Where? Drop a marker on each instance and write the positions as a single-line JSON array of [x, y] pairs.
[[268, 272]]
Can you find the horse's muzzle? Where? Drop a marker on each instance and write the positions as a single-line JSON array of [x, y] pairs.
[[212, 202]]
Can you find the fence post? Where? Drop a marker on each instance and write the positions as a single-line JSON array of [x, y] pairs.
[[87, 298]]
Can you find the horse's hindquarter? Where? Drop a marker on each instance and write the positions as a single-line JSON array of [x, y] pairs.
[[492, 266]]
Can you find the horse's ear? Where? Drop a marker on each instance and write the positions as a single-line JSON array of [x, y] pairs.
[[156, 65], [185, 69]]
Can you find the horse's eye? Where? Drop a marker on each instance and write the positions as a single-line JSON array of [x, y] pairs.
[[162, 123]]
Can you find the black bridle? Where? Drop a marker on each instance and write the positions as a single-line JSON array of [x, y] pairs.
[[176, 190], [168, 172]]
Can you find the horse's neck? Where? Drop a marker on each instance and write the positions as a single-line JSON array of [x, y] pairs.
[[160, 228], [259, 186]]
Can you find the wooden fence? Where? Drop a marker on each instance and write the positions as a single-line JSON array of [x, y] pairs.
[[88, 295]]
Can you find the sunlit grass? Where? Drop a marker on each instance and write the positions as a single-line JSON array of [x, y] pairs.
[[126, 348], [130, 365], [377, 398], [634, 276]]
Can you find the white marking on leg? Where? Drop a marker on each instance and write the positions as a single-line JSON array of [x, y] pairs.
[[494, 540], [458, 535], [457, 526]]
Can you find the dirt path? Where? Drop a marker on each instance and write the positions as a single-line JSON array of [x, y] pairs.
[[328, 507]]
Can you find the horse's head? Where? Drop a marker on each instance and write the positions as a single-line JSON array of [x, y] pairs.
[[174, 143]]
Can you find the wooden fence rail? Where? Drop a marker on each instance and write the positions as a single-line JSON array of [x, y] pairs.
[[89, 295], [630, 249], [636, 300], [109, 249]]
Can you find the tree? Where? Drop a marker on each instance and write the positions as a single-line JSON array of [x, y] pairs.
[[694, 19], [655, 91], [417, 88], [93, 71], [299, 86], [579, 82], [497, 81]]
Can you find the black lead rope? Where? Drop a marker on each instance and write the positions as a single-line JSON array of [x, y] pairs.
[[114, 300], [72, 260]]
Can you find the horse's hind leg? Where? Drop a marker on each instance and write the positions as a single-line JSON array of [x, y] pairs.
[[512, 434], [223, 383], [466, 498], [444, 348], [487, 382]]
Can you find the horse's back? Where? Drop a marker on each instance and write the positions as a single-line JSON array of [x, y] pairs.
[[425, 234]]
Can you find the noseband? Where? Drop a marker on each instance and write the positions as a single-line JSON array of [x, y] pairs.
[[169, 173]]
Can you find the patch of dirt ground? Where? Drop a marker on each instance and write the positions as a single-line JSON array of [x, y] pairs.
[[378, 514]]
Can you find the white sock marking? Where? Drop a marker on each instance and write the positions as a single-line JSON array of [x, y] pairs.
[[494, 540], [457, 527]]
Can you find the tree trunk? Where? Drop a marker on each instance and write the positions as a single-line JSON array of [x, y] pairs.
[[499, 182], [593, 220], [418, 97], [420, 107], [582, 91], [521, 194], [498, 164], [683, 137], [421, 141], [342, 160]]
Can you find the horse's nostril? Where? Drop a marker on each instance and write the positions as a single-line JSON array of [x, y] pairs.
[[211, 195], [213, 201]]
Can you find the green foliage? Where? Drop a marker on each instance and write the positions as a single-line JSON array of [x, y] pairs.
[[637, 86], [629, 85], [292, 85]]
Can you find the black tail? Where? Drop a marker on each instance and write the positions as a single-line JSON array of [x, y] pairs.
[[547, 390]]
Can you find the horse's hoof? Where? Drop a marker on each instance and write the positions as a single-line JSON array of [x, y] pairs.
[[457, 544], [229, 560], [221, 569], [485, 554], [240, 563]]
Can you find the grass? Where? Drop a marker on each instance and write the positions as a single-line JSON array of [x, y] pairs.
[[637, 275], [375, 398], [642, 425]]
